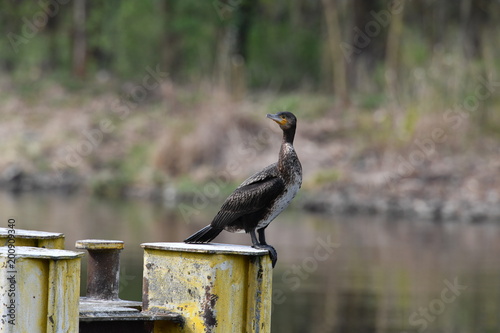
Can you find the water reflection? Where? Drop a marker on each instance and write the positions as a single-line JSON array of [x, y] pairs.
[[333, 274]]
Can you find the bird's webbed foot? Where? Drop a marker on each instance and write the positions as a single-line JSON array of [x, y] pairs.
[[272, 252], [261, 244]]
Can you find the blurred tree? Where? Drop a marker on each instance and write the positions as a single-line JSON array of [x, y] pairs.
[[101, 34], [476, 16], [262, 45], [171, 40], [233, 43], [369, 36], [393, 47], [238, 46], [337, 59], [79, 38], [53, 61], [9, 20]]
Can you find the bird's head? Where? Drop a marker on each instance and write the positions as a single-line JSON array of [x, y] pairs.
[[286, 120]]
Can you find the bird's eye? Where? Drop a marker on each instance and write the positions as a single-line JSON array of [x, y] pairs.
[[282, 116]]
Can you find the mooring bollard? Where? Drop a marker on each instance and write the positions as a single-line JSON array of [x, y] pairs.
[[102, 310], [34, 238], [40, 290], [216, 287], [103, 268]]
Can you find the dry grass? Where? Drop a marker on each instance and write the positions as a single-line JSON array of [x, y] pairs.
[[201, 134]]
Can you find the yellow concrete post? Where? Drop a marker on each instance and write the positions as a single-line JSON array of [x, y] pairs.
[[39, 290], [216, 287], [49, 240]]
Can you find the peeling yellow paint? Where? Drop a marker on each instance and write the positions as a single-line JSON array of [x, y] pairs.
[[217, 288], [46, 289], [49, 240]]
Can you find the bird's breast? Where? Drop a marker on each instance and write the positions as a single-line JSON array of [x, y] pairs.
[[283, 200]]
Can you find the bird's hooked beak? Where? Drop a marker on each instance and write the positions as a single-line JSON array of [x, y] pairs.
[[276, 118]]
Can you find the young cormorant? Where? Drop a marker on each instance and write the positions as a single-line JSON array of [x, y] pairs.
[[260, 198]]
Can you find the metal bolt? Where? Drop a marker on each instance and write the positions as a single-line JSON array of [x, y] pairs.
[[103, 268]]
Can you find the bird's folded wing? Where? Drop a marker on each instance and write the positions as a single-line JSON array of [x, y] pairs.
[[248, 198], [267, 173]]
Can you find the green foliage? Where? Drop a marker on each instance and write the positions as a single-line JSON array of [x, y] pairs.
[[120, 174], [371, 101], [308, 106], [285, 102], [410, 121], [438, 61], [128, 32], [195, 24], [286, 46], [325, 177], [277, 49], [109, 184], [138, 158], [416, 51]]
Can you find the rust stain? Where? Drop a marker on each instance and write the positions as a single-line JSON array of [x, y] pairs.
[[208, 306], [145, 293], [260, 272]]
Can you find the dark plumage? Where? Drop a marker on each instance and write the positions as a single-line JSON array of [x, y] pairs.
[[260, 198]]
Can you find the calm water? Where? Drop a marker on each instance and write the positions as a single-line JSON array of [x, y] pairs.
[[333, 274]]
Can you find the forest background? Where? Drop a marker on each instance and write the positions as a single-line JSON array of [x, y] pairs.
[[396, 100]]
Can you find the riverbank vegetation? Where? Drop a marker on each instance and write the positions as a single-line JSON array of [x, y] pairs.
[[397, 101]]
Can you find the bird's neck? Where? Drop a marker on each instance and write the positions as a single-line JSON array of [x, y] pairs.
[[288, 136], [287, 152]]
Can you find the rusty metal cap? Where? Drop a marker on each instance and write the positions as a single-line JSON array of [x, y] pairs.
[[99, 244]]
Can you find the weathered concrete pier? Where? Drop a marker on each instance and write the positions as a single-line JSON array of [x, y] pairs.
[[216, 287], [186, 287]]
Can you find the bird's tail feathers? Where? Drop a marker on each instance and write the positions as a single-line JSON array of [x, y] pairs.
[[204, 235]]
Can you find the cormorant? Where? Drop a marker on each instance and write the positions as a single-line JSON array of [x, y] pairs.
[[260, 198]]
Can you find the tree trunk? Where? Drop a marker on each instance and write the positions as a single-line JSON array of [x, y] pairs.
[[54, 52], [392, 55], [171, 60], [338, 63], [486, 34], [232, 51], [79, 38]]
